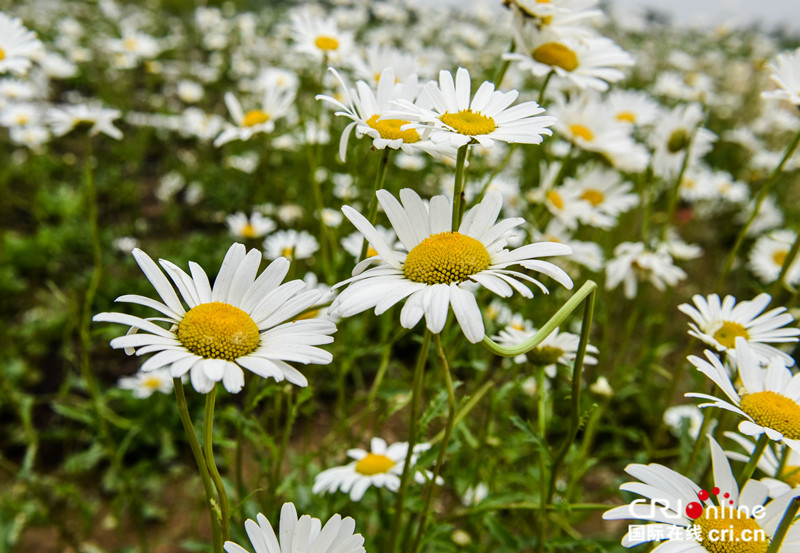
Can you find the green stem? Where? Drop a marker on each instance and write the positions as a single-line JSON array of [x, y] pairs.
[[783, 527], [194, 444], [586, 291], [544, 86], [750, 467], [465, 410], [707, 419], [787, 263], [380, 177], [675, 192], [577, 373], [542, 427], [501, 71], [208, 442], [448, 429], [416, 394], [762, 195], [458, 190], [647, 202]]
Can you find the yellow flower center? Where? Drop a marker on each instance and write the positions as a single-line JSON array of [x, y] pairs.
[[728, 332], [254, 117], [248, 231], [313, 314], [469, 122], [779, 257], [557, 55], [390, 129], [371, 252], [727, 530], [130, 44], [151, 382], [218, 330], [555, 199], [678, 141], [627, 116], [445, 258], [2, 54], [545, 355], [593, 196], [773, 410], [582, 131], [790, 475], [288, 252], [374, 463], [326, 43], [23, 119]]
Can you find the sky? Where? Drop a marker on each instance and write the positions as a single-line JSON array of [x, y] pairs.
[[770, 12]]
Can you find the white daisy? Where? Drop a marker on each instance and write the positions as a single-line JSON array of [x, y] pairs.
[[300, 535], [439, 267], [719, 323], [676, 414], [244, 227], [290, 244], [240, 322], [606, 194], [781, 477], [320, 37], [275, 103], [18, 45], [63, 119], [635, 107], [677, 507], [558, 348], [589, 62], [786, 75], [634, 262], [769, 398], [381, 466], [458, 118], [676, 131], [366, 108], [144, 384], [769, 254]]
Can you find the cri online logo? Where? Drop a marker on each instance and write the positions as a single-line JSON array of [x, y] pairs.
[[694, 510]]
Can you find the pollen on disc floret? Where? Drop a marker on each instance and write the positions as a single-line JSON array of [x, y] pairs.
[[218, 330], [446, 258]]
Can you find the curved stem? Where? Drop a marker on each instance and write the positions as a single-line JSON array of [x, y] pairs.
[[586, 291], [448, 429], [380, 177], [762, 195], [194, 444], [458, 190], [416, 393]]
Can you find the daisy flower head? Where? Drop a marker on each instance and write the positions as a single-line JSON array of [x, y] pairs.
[[677, 135], [786, 75], [381, 467], [769, 254], [440, 268], [633, 262], [300, 535], [144, 384], [781, 477], [240, 322], [605, 193], [63, 119], [769, 399], [367, 110], [689, 519], [586, 62], [244, 227], [320, 37], [457, 117], [290, 244], [276, 102], [719, 323], [561, 17], [18, 45]]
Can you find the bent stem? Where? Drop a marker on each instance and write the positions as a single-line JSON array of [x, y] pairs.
[[448, 429], [380, 177], [762, 195], [459, 201], [750, 467], [416, 393], [194, 444], [208, 441]]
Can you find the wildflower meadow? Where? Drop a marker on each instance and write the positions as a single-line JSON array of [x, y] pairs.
[[376, 276]]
